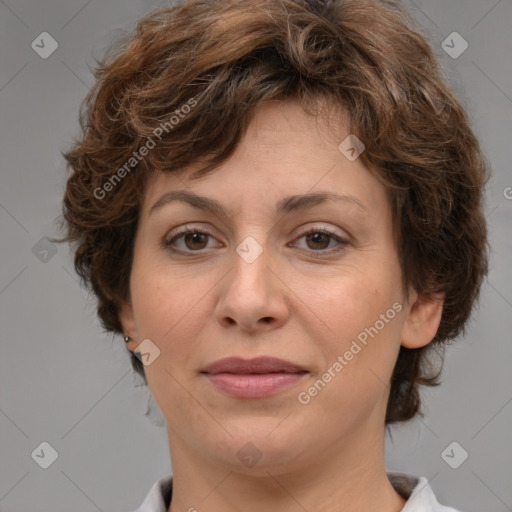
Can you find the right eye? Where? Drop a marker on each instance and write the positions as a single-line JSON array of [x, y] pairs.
[[192, 240]]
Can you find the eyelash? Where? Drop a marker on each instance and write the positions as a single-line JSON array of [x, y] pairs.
[[167, 244]]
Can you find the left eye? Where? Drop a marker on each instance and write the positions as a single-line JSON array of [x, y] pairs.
[[321, 239]]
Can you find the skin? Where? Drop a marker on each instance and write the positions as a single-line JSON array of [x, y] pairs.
[[300, 300]]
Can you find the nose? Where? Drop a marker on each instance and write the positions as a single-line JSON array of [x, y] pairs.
[[253, 297]]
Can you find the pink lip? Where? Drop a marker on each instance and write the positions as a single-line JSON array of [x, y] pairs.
[[253, 386], [262, 364], [253, 378]]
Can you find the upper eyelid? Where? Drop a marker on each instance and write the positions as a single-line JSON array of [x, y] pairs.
[[302, 230], [306, 229]]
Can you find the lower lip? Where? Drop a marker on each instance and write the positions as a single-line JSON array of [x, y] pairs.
[[254, 385]]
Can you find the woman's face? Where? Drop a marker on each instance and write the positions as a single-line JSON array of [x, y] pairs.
[[316, 283]]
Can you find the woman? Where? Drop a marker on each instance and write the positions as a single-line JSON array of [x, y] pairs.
[[279, 206]]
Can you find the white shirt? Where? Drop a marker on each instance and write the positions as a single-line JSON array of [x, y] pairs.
[[416, 490]]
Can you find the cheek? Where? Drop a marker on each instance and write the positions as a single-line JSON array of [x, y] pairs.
[[162, 299], [171, 309], [153, 304], [364, 321], [351, 305], [167, 311], [359, 361]]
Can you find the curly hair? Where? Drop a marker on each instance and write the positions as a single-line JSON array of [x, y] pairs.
[[183, 87]]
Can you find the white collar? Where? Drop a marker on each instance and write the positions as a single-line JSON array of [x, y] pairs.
[[416, 490]]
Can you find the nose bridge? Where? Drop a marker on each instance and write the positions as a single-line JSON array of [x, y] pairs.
[[251, 295], [250, 263]]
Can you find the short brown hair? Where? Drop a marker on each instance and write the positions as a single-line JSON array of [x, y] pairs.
[[226, 57]]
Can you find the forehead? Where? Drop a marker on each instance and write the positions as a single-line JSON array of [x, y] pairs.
[[285, 151]]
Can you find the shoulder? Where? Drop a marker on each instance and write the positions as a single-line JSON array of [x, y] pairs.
[[159, 497], [418, 493]]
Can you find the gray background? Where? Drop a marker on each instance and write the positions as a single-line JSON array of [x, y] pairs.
[[65, 382]]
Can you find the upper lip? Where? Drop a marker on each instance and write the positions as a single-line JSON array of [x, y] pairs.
[[261, 364]]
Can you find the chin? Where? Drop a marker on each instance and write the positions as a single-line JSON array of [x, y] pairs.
[[258, 448]]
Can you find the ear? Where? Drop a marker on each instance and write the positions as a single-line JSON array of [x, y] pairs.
[[422, 320], [128, 323]]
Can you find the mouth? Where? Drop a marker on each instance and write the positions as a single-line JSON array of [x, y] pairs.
[[258, 365], [253, 378]]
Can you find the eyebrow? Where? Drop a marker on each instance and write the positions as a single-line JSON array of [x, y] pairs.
[[286, 205]]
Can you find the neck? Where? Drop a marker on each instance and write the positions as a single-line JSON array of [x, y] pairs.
[[348, 477]]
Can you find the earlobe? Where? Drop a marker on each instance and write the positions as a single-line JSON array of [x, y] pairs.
[[128, 323], [422, 322]]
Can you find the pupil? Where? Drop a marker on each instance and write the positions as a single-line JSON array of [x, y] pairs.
[[196, 238], [316, 238]]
